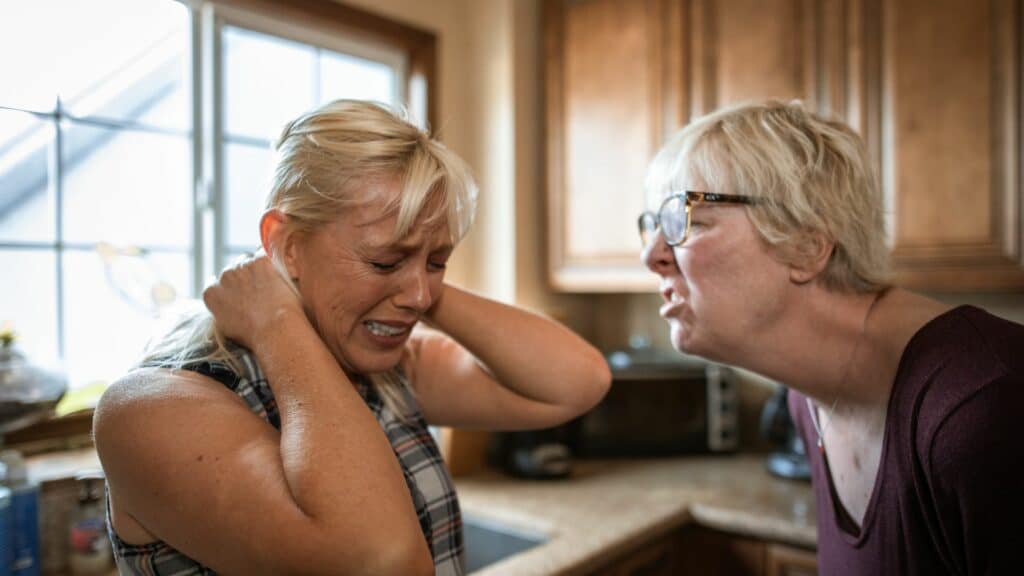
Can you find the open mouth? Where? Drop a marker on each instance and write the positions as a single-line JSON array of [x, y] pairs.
[[672, 302], [669, 295], [386, 330]]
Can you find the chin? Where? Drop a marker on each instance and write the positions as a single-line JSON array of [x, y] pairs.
[[683, 340], [373, 363]]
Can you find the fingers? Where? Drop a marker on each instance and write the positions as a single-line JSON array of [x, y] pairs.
[[246, 296]]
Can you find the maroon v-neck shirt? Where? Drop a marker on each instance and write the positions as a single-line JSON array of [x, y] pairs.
[[949, 495]]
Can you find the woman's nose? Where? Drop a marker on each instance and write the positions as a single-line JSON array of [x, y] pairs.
[[658, 256], [415, 292]]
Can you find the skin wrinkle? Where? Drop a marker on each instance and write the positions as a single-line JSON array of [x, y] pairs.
[[717, 261], [342, 288]]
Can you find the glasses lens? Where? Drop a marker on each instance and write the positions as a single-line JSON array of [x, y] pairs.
[[648, 225], [673, 219]]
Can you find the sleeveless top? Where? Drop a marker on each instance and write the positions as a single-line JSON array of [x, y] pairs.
[[431, 487]]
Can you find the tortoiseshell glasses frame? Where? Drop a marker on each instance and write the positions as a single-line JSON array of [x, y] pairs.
[[673, 217]]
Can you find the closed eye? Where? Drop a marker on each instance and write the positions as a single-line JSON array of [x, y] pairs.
[[385, 266]]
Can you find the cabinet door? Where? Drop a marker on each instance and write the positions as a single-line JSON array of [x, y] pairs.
[[738, 50], [788, 561], [651, 560], [621, 76], [603, 99], [703, 551], [933, 86], [949, 126]]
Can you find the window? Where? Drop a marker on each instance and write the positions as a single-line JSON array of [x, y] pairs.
[[267, 80], [134, 161]]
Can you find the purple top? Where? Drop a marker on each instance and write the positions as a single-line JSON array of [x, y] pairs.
[[949, 495]]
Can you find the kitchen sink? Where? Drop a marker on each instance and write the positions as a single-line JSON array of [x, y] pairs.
[[487, 541]]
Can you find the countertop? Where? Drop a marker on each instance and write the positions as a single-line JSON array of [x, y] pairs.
[[609, 506]]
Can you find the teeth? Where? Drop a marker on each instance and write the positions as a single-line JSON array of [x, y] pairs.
[[383, 329]]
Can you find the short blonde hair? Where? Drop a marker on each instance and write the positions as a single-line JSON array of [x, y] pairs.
[[328, 159], [812, 176]]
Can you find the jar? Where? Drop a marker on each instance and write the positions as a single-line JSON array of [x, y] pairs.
[[90, 548]]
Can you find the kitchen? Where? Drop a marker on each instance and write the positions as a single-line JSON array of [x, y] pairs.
[[632, 71]]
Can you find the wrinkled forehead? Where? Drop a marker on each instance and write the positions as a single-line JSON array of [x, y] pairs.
[[408, 212]]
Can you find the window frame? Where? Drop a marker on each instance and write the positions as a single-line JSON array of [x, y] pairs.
[[357, 31]]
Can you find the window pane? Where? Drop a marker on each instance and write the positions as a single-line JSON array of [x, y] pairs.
[[247, 174], [27, 211], [29, 301], [28, 30], [126, 187], [344, 76], [268, 81], [130, 69], [110, 309]]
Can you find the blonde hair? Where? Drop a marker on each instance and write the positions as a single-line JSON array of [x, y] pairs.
[[327, 158], [812, 176]]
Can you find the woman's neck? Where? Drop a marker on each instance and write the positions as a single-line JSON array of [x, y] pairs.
[[831, 346]]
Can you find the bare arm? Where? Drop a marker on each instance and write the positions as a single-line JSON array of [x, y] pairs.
[[500, 367]]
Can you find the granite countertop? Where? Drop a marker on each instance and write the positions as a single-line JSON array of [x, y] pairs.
[[608, 507]]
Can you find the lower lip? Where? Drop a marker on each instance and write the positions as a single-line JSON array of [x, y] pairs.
[[670, 308], [388, 341]]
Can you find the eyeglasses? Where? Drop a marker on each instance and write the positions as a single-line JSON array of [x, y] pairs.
[[673, 218]]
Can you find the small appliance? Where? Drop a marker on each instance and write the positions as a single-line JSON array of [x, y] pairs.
[[661, 403]]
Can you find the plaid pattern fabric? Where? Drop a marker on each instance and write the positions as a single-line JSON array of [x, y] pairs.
[[431, 488]]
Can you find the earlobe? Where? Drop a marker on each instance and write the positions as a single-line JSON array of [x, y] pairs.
[[812, 257]]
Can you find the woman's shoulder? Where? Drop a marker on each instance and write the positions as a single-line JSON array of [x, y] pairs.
[[959, 365], [150, 388], [967, 336]]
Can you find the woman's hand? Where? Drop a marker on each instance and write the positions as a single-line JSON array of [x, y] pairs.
[[250, 298]]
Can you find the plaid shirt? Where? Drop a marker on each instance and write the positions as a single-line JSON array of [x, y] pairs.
[[432, 490]]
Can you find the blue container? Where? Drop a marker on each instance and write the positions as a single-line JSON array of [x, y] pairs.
[[25, 508], [24, 536], [6, 529]]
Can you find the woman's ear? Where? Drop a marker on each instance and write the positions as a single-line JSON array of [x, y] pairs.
[[279, 240], [812, 257]]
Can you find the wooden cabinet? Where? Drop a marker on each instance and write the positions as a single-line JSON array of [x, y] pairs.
[[934, 87], [949, 131], [604, 100], [788, 561], [695, 550], [649, 560]]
